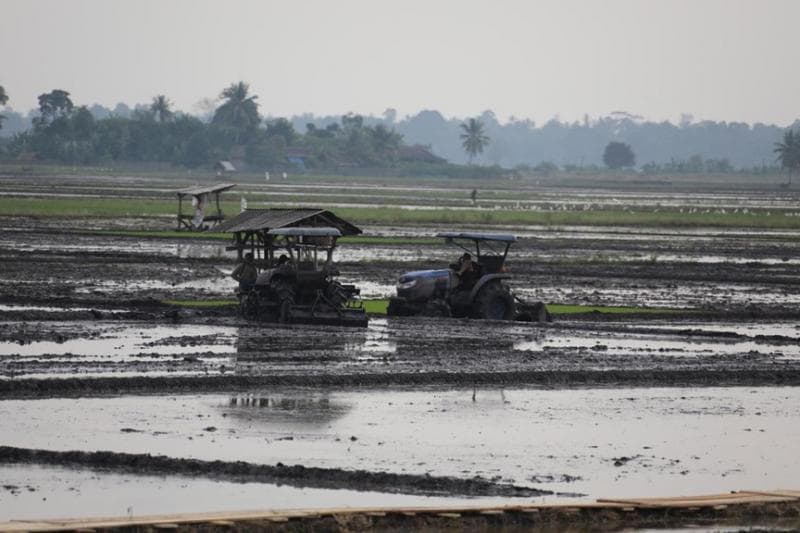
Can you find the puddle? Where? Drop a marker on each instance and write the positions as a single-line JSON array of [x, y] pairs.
[[625, 442], [659, 344], [51, 492], [116, 350], [217, 285], [102, 244], [644, 293], [52, 309]]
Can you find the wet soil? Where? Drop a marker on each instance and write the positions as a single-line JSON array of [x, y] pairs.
[[82, 315], [293, 475]]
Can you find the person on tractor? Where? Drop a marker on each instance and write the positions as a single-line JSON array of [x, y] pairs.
[[246, 273], [467, 271]]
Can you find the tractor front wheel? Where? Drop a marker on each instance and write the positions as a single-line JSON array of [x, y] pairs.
[[436, 308], [495, 302]]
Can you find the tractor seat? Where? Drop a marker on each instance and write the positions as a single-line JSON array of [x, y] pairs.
[[491, 264]]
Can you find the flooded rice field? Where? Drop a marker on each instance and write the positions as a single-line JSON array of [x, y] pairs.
[[117, 394], [565, 443], [388, 348]]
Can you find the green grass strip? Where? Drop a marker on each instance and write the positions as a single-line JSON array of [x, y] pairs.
[[165, 234], [378, 307], [394, 215]]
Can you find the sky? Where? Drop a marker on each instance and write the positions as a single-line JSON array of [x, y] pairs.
[[732, 60]]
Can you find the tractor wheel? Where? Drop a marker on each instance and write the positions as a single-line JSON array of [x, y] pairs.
[[436, 308], [248, 304], [495, 302], [285, 311], [540, 313]]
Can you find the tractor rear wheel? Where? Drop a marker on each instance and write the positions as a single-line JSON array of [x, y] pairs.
[[285, 310], [495, 302]]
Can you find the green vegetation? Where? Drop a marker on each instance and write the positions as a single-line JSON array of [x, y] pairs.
[[473, 138], [618, 155], [165, 234], [389, 215], [395, 215], [227, 236], [378, 307], [788, 152], [68, 133], [375, 307]]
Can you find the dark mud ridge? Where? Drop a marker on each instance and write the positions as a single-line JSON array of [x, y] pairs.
[[295, 475], [73, 387]]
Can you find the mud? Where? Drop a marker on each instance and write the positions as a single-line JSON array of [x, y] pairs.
[[83, 319], [293, 475], [51, 358]]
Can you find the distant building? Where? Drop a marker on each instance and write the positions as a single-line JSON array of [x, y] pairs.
[[297, 156], [419, 152], [224, 167]]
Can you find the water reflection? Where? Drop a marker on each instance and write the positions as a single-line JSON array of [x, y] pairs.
[[285, 408]]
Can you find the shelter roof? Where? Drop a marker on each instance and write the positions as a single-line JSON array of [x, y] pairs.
[[227, 166], [302, 231], [267, 219], [502, 237], [195, 191]]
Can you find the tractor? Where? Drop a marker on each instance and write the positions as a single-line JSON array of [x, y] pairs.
[[479, 293], [299, 286]]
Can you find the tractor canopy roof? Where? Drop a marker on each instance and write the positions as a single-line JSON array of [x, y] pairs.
[[498, 237], [306, 232]]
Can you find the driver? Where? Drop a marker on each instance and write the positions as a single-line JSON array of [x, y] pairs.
[[467, 271], [465, 264], [246, 273]]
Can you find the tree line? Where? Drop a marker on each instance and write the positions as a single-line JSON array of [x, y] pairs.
[[62, 131], [59, 130]]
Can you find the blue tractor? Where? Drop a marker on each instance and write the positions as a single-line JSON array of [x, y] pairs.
[[479, 291]]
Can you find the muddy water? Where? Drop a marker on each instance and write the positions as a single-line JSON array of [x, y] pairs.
[[53, 492], [102, 349], [625, 442], [387, 346], [27, 242]]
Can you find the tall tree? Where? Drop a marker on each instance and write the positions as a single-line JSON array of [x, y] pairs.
[[283, 128], [473, 138], [789, 152], [3, 101], [385, 142], [238, 112], [55, 104], [619, 155], [161, 108]]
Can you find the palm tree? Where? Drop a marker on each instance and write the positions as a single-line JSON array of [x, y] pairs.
[[239, 111], [474, 140], [161, 108], [789, 152]]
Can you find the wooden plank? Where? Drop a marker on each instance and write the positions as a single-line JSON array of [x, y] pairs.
[[688, 503], [776, 493]]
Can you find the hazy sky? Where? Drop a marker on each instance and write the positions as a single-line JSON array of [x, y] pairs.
[[716, 59]]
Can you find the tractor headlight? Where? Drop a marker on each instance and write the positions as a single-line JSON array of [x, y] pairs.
[[406, 284]]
